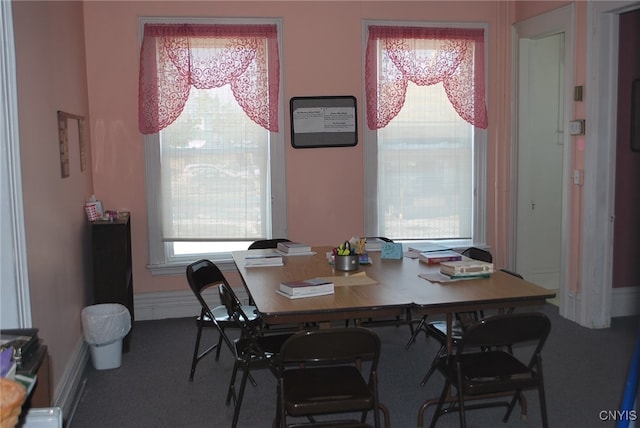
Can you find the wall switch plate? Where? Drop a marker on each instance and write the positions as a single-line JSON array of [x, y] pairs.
[[576, 127], [577, 177]]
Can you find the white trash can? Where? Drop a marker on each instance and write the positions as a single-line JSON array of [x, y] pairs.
[[104, 326]]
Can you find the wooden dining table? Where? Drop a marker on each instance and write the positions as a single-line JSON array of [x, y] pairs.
[[382, 288]]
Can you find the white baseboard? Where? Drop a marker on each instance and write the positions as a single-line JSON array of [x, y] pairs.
[[625, 301], [169, 304], [173, 304], [65, 395]]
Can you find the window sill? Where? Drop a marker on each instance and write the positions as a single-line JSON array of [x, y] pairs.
[[454, 244], [179, 268]]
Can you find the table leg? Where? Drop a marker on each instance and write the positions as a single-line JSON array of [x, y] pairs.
[[449, 333]]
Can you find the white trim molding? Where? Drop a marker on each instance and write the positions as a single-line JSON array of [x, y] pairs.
[[596, 302], [67, 393], [175, 304], [625, 301]]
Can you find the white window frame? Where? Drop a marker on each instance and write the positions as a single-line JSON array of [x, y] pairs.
[[161, 261], [479, 222]]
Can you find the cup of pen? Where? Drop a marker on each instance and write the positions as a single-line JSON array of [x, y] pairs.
[[347, 263], [344, 258]]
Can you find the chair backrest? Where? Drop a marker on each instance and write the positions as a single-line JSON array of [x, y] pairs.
[[267, 243], [331, 346], [201, 275], [507, 330], [249, 346], [230, 300], [382, 238], [476, 253], [513, 273]]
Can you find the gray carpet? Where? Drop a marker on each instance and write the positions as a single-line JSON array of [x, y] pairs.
[[585, 372]]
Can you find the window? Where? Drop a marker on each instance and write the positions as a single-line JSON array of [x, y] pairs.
[[210, 110], [425, 138]]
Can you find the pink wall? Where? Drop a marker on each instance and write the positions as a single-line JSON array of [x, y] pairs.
[[322, 56], [528, 9], [51, 76]]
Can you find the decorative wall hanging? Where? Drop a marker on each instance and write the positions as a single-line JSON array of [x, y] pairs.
[[63, 135], [323, 121]]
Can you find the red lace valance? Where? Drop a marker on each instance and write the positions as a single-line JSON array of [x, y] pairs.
[[424, 56], [174, 57]]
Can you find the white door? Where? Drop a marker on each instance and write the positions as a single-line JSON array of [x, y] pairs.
[[540, 160]]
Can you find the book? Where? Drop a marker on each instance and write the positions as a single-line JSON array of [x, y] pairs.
[[437, 257], [302, 296], [289, 247], [440, 278], [426, 247], [307, 287], [23, 341], [374, 244], [272, 259], [466, 268]]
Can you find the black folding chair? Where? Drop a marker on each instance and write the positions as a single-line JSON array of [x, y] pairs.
[[510, 361], [329, 371], [200, 276], [254, 349]]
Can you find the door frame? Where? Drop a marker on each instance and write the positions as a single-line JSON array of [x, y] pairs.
[[595, 307], [560, 20]]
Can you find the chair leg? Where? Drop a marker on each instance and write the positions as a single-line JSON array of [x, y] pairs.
[[543, 406], [238, 403], [460, 393], [231, 393], [219, 346], [438, 410], [385, 414], [279, 421], [415, 331], [434, 364], [408, 318], [543, 401], [194, 360], [512, 404]]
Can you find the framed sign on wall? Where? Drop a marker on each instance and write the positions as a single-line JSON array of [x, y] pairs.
[[323, 121]]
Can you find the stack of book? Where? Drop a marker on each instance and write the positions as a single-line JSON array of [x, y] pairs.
[[306, 288], [437, 257], [466, 269], [24, 342], [374, 244], [426, 247], [290, 247], [268, 259]]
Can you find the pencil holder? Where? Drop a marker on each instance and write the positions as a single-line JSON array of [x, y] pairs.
[[347, 263]]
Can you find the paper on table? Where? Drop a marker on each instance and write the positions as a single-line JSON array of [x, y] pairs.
[[360, 278]]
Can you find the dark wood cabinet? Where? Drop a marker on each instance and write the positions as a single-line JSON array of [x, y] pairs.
[[112, 273]]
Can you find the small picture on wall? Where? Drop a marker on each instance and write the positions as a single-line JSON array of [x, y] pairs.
[[63, 138]]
